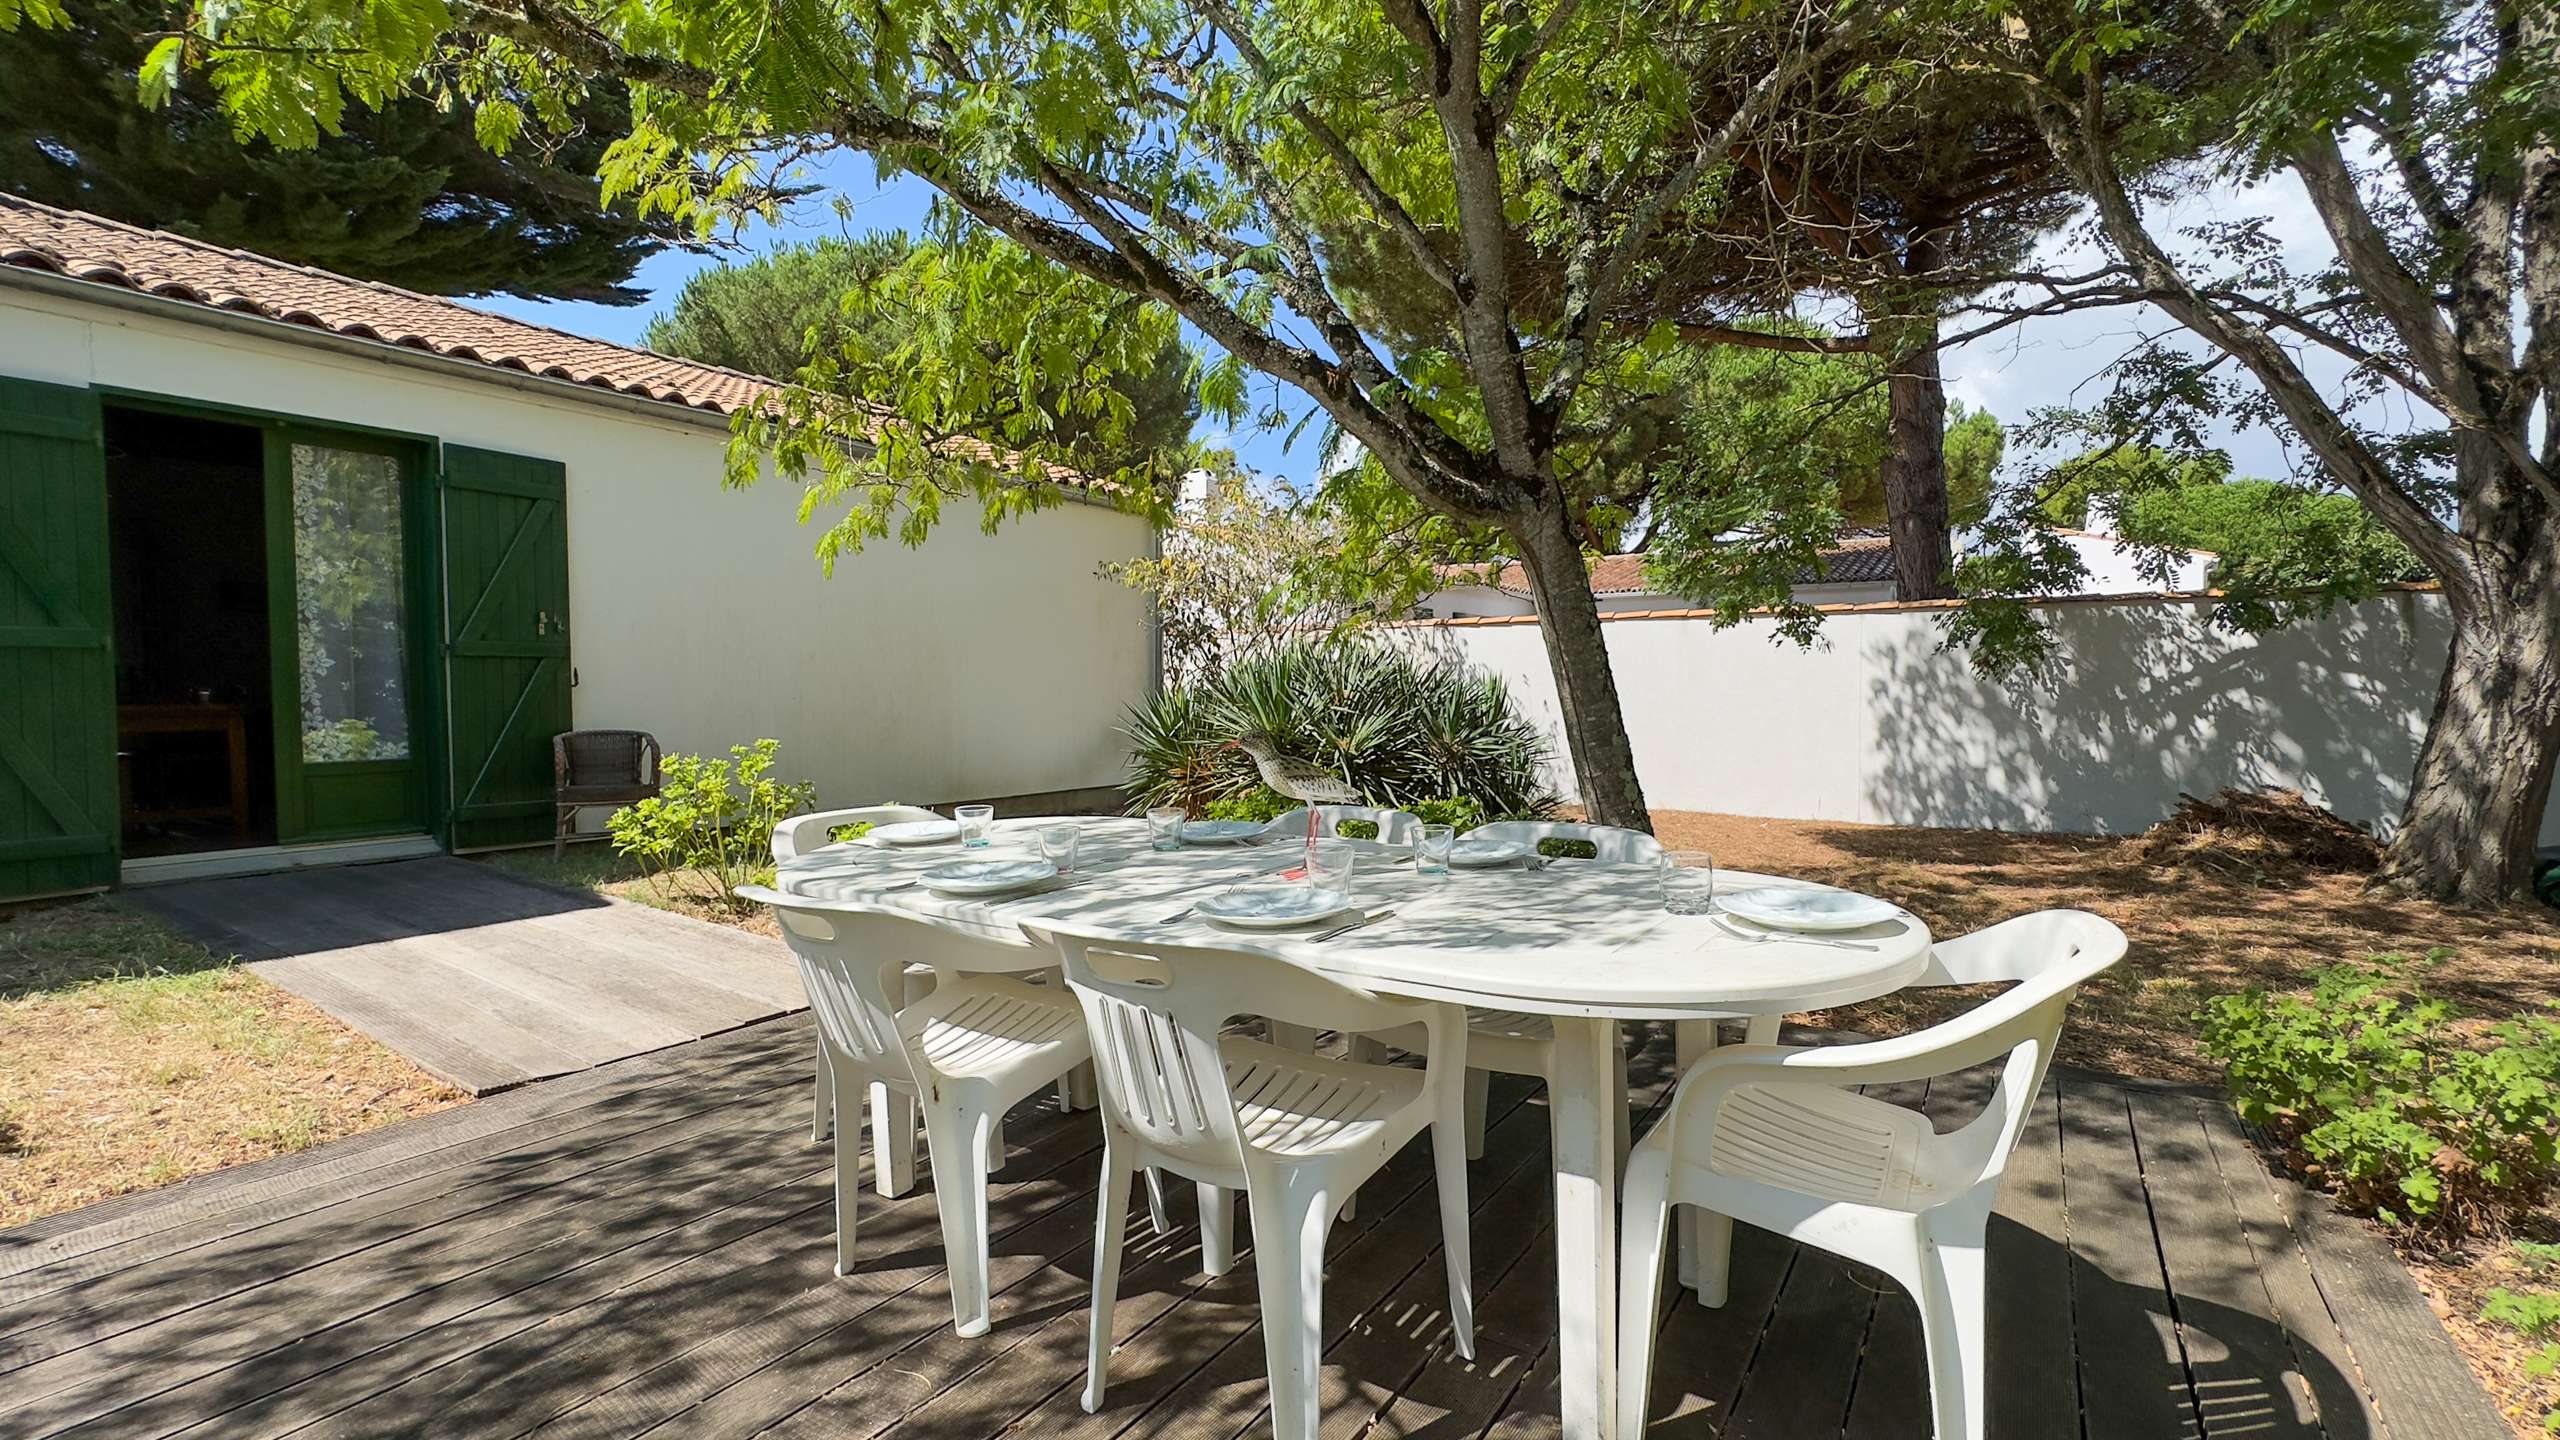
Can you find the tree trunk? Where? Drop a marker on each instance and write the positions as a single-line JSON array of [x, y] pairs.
[[1915, 463], [1595, 729], [2484, 773]]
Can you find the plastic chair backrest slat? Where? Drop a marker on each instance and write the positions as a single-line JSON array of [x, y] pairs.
[[1610, 844]]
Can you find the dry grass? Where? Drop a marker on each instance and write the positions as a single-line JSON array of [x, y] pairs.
[[597, 870], [131, 1057], [2195, 931]]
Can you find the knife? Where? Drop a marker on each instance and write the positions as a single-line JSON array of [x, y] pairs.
[[1348, 926]]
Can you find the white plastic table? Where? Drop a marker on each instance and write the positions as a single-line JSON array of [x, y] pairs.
[[1589, 945]]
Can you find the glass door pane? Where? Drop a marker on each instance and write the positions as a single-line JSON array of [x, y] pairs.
[[350, 630]]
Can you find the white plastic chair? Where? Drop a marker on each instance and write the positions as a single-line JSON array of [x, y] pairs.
[[965, 1054], [893, 1120], [1781, 1139], [1297, 1133], [802, 834], [1395, 827], [1611, 844]]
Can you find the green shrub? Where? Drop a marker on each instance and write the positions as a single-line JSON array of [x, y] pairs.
[[1457, 812], [2533, 1314], [709, 829], [2374, 1092], [1262, 805], [1403, 730], [838, 834]]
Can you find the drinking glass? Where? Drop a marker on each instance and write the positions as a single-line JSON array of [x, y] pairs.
[[1164, 827], [1058, 846], [975, 821], [1688, 882], [1431, 856], [1329, 864]]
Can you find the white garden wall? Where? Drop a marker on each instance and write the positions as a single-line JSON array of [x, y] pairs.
[[1879, 725], [976, 665]]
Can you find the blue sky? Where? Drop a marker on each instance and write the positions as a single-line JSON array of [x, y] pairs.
[[2044, 362], [899, 204]]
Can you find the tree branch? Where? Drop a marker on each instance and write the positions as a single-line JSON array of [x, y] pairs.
[[1387, 208]]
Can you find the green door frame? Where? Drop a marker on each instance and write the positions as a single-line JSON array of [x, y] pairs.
[[315, 799], [427, 803]]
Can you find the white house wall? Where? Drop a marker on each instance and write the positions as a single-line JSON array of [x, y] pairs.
[[974, 666], [1880, 725]]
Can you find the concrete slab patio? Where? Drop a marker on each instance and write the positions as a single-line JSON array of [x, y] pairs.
[[481, 978], [647, 1248]]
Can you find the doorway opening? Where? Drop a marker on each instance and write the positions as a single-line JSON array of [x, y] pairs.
[[195, 707]]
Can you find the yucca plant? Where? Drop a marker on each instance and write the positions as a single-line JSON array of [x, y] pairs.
[[1401, 728]]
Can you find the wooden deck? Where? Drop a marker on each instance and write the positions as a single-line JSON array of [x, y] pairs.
[[645, 1249], [485, 980]]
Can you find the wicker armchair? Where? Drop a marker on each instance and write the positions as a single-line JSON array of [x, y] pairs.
[[599, 767]]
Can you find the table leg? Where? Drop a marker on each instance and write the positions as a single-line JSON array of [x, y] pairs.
[[1584, 1094], [1698, 1232]]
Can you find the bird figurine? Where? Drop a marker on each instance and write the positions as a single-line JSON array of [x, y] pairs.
[[1309, 785]]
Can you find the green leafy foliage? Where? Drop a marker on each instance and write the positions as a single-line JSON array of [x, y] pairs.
[[1262, 805], [2534, 1315], [709, 829], [411, 195], [2280, 549], [2376, 1092], [781, 310], [964, 344], [1245, 569], [1406, 731]]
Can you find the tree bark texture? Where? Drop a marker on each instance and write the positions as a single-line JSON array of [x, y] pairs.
[[1595, 728]]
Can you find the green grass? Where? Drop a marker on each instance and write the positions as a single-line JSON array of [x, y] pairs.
[[591, 867]]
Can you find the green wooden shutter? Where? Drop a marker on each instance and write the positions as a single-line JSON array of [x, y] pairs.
[[58, 801], [506, 640]]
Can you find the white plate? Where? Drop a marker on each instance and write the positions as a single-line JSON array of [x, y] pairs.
[[988, 877], [1807, 907], [1275, 907], [1218, 832], [915, 832], [1473, 854]]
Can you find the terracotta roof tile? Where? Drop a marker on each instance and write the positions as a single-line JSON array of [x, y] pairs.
[[1859, 556], [101, 251], [153, 262]]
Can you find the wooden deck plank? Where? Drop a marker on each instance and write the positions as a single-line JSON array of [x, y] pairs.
[[425, 1211], [2133, 1375], [482, 978], [2328, 1363], [2422, 1385], [1199, 1370], [660, 1390], [2033, 1365], [493, 1135], [455, 1268], [318, 1376], [2247, 1378], [1060, 1229], [653, 1254], [525, 958]]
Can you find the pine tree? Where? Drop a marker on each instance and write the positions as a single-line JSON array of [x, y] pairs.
[[405, 195]]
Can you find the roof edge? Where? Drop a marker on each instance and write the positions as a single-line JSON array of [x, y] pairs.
[[268, 327]]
